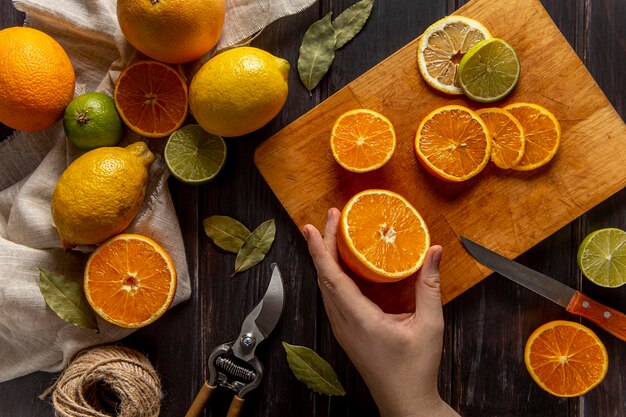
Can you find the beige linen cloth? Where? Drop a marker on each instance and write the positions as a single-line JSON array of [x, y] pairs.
[[32, 337]]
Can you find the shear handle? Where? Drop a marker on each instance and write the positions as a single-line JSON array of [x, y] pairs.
[[203, 397], [235, 406]]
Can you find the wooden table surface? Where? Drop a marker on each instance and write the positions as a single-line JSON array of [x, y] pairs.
[[483, 372]]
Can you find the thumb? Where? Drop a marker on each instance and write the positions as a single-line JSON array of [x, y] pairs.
[[428, 286]]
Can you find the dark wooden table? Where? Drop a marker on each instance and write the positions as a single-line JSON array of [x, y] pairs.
[[483, 372]]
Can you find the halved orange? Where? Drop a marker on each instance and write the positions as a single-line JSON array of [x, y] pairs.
[[441, 48], [130, 280], [566, 358], [453, 143], [362, 140], [382, 237], [542, 134], [151, 98], [507, 136]]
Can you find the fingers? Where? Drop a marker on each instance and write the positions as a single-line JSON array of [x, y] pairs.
[[342, 297], [330, 231], [428, 287], [323, 259]]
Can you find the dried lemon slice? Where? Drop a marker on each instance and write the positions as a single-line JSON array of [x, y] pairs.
[[441, 48]]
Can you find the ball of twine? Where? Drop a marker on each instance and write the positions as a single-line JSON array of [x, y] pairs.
[[108, 381]]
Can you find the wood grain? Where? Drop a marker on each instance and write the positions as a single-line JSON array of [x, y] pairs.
[[506, 211]]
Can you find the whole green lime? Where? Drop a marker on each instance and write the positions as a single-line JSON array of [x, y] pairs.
[[91, 121]]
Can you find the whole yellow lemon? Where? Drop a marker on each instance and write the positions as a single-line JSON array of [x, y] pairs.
[[238, 91], [173, 31], [100, 193]]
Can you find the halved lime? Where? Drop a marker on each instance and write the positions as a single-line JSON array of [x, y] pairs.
[[489, 70], [193, 155], [602, 257]]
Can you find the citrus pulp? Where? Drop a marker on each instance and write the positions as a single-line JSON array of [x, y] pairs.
[[442, 46], [542, 134], [130, 280], [382, 237], [507, 136], [453, 143], [151, 98], [602, 257], [193, 155], [362, 140], [489, 71], [565, 358]]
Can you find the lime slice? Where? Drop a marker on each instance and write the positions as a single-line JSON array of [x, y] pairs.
[[602, 257], [193, 155], [489, 70]]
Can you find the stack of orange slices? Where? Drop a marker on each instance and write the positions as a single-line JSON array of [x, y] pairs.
[[455, 143]]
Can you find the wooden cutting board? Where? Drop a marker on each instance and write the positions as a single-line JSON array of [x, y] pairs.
[[504, 210]]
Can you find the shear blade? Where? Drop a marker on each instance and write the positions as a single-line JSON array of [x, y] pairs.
[[263, 318]]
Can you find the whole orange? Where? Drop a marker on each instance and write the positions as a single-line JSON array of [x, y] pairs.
[[172, 31], [36, 79]]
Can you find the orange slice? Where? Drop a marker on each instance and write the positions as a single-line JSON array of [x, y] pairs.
[[441, 48], [542, 134], [130, 280], [507, 137], [453, 143], [565, 358], [382, 237], [151, 98], [362, 140]]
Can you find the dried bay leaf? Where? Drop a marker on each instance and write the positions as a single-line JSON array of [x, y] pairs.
[[317, 52], [66, 298], [256, 246], [311, 369], [226, 232], [350, 22]]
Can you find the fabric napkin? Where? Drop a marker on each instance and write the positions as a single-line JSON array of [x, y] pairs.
[[32, 337]]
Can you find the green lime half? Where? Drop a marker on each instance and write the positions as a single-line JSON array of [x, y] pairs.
[[91, 121], [602, 257], [489, 70], [193, 155]]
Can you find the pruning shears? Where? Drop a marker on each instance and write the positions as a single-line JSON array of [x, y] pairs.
[[234, 365]]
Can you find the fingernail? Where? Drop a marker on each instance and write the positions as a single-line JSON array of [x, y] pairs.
[[329, 214], [437, 256], [305, 232]]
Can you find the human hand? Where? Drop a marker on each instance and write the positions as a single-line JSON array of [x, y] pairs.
[[397, 355]]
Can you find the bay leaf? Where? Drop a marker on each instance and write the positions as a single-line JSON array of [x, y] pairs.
[[317, 52], [226, 232], [311, 369], [66, 298], [256, 246], [350, 22]]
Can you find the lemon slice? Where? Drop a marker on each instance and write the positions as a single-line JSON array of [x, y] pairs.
[[489, 71], [602, 257], [193, 155], [441, 48]]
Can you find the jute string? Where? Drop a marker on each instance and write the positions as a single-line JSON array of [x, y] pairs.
[[107, 381]]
